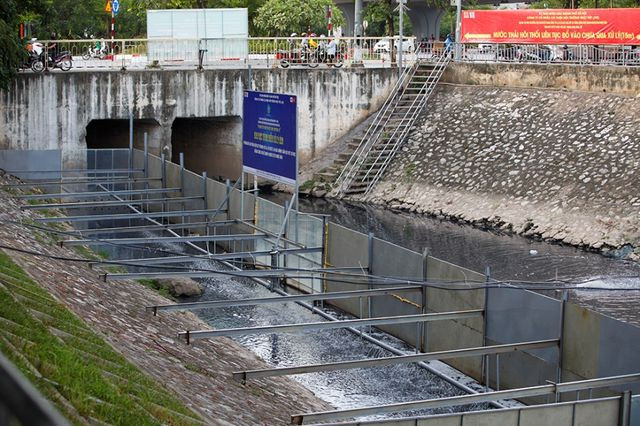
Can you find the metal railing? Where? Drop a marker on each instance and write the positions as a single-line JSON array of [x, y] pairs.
[[373, 133], [402, 130], [263, 52], [268, 52], [383, 132]]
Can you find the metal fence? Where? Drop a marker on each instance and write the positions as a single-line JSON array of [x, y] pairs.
[[271, 52]]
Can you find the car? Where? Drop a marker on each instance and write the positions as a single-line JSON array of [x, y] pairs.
[[382, 46]]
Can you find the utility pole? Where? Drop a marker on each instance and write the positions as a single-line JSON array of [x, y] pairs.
[[458, 12], [401, 8]]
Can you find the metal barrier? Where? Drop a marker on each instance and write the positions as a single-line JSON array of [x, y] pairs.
[[285, 52]]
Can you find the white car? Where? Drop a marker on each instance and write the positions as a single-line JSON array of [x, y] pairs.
[[383, 46]]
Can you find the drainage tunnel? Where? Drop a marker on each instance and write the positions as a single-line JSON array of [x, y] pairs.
[[211, 144], [115, 134]]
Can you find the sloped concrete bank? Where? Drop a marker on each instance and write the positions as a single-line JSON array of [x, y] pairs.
[[550, 164], [199, 374]]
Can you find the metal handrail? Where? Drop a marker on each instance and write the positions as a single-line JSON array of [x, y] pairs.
[[427, 89], [344, 179]]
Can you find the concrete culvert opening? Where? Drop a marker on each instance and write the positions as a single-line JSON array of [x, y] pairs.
[[115, 134], [211, 144]]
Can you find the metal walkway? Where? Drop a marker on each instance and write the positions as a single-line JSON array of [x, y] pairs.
[[390, 128]]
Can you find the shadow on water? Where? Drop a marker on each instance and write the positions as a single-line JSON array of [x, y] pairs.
[[510, 257]]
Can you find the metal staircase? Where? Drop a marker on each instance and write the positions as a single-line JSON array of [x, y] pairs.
[[390, 128]]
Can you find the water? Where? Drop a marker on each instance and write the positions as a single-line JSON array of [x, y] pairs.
[[510, 257], [344, 389]]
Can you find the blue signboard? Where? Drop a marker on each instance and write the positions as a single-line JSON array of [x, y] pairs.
[[115, 6], [269, 136]]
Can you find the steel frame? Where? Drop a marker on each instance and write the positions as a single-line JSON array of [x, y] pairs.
[[280, 299], [137, 201], [161, 227], [157, 240], [328, 325], [96, 181], [243, 376], [551, 389], [263, 273], [98, 193], [99, 217], [169, 260]]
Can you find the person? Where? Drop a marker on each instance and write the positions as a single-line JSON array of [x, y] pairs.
[[448, 45], [332, 48], [52, 47], [292, 41], [431, 44]]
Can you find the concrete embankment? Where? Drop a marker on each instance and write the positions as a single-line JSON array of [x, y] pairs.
[[538, 161], [199, 375]]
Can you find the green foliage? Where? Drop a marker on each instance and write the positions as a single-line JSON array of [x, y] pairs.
[[283, 17], [380, 16]]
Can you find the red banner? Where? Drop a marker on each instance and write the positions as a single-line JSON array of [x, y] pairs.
[[552, 26]]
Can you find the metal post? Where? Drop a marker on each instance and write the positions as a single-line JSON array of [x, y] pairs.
[[625, 409], [425, 277], [164, 179], [565, 298], [182, 186], [274, 265], [458, 40], [369, 271], [497, 372], [205, 202], [130, 142], [400, 32], [228, 189], [487, 273], [325, 254], [250, 77], [242, 196], [146, 155]]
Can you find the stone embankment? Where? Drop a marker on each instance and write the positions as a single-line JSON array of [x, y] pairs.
[[550, 164], [199, 374]]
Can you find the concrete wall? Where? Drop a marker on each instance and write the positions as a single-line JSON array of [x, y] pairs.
[[554, 164], [619, 80], [53, 111]]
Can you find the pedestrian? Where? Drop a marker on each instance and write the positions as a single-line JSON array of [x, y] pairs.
[[332, 48], [448, 44]]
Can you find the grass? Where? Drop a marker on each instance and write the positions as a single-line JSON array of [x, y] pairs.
[[71, 365], [155, 285]]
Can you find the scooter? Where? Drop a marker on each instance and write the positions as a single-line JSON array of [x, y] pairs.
[[95, 52]]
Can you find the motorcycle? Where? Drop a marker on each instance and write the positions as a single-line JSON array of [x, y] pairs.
[[298, 56], [62, 60], [96, 52], [336, 61], [34, 50]]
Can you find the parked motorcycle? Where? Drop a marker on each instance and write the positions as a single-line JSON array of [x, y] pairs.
[[62, 60]]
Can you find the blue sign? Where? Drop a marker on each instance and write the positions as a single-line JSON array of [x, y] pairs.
[[269, 136], [115, 6]]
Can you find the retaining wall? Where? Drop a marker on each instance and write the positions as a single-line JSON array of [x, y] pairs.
[[52, 111]]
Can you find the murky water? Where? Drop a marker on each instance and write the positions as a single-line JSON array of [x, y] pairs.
[[510, 257]]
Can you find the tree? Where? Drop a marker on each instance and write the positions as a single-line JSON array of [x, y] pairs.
[[283, 17], [11, 53]]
